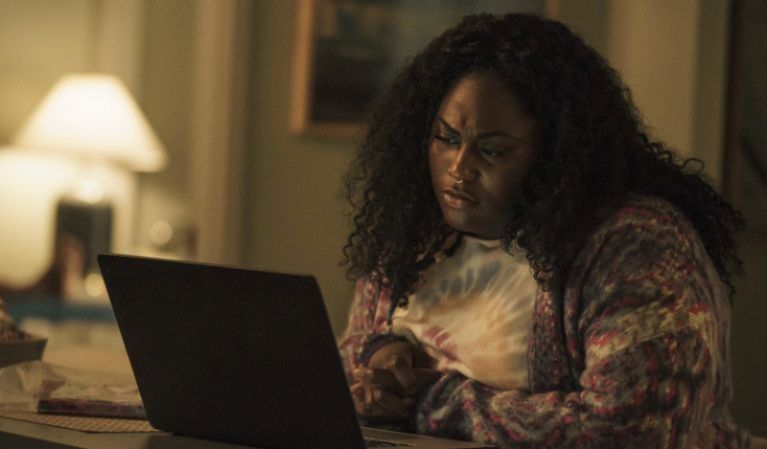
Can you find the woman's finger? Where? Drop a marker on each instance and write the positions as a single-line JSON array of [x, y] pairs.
[[377, 403], [403, 373], [358, 396], [425, 376], [392, 404], [379, 378]]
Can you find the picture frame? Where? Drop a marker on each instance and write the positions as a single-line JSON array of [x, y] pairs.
[[345, 52]]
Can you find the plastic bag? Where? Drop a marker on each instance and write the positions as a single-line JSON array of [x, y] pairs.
[[23, 385]]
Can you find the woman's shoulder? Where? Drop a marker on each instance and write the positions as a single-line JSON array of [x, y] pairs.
[[647, 215], [644, 248], [640, 208], [642, 226]]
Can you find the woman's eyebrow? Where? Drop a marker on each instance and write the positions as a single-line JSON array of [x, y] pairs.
[[491, 134]]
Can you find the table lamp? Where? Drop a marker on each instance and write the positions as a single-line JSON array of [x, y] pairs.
[[95, 120]]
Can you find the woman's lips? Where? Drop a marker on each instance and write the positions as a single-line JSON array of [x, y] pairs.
[[457, 199]]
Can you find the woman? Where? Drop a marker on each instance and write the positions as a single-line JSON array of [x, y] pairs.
[[533, 270]]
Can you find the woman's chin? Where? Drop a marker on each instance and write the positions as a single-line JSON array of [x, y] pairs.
[[471, 229]]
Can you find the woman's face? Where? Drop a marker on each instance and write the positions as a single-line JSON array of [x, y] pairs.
[[482, 147]]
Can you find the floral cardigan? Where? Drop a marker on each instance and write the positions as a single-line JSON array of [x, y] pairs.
[[635, 354]]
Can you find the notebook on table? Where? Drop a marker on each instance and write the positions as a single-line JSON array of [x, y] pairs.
[[238, 355]]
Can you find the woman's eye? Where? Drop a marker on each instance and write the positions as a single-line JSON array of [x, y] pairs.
[[490, 152], [448, 140]]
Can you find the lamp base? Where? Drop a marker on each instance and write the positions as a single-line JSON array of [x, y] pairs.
[[83, 230]]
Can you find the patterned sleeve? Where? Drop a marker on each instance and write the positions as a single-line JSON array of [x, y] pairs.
[[367, 329], [644, 342]]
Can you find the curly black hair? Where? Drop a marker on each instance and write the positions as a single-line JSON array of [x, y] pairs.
[[595, 151]]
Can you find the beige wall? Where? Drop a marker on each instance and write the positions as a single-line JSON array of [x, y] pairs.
[[710, 94], [39, 40], [167, 48], [652, 44], [672, 55], [294, 219]]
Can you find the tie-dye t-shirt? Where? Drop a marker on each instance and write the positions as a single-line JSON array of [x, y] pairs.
[[473, 313]]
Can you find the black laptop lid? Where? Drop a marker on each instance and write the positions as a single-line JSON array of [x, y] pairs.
[[232, 354]]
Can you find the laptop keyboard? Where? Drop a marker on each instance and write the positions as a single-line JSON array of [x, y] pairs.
[[369, 442]]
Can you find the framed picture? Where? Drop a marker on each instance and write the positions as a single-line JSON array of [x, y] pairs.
[[347, 50]]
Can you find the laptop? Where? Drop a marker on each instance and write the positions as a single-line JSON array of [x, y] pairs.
[[238, 355]]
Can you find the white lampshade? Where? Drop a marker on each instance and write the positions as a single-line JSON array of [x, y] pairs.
[[93, 116]]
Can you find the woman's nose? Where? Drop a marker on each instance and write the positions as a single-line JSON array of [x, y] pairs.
[[461, 167]]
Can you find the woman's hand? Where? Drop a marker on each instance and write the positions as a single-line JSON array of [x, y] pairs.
[[385, 389]]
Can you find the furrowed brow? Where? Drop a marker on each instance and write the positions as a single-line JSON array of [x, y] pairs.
[[447, 126], [481, 136]]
